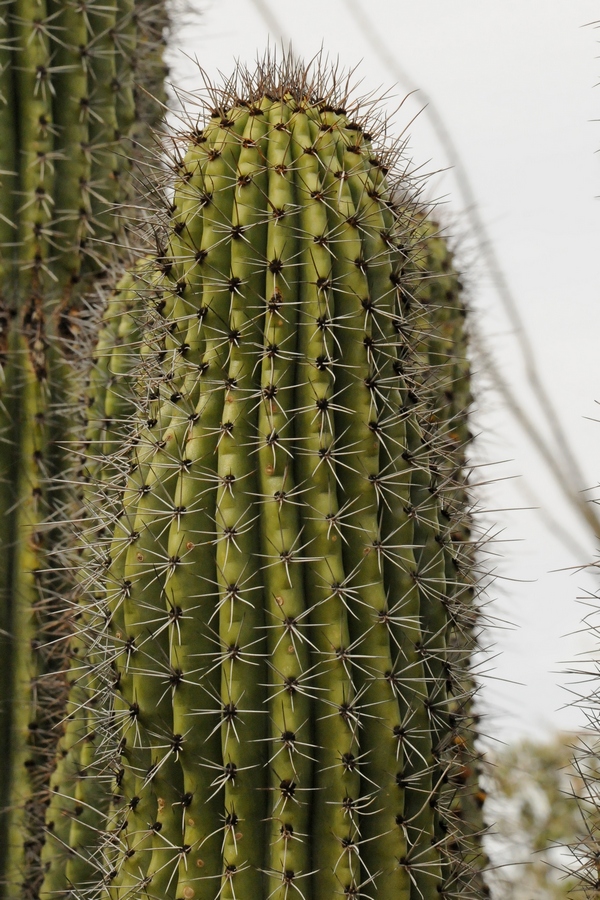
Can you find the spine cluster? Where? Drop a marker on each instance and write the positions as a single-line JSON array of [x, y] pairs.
[[278, 575]]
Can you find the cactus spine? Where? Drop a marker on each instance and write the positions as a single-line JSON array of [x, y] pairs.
[[278, 582], [67, 105]]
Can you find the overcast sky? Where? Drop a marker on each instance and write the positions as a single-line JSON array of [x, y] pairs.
[[514, 82]]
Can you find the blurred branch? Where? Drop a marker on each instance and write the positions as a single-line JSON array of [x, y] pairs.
[[271, 21], [563, 465], [572, 492]]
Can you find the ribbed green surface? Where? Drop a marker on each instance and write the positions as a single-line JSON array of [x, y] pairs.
[[447, 384], [80, 783], [66, 99], [278, 579]]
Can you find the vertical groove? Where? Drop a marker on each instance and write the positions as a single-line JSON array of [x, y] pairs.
[[336, 801]]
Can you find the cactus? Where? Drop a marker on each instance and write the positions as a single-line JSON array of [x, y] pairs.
[[71, 120], [277, 590], [446, 380], [79, 795]]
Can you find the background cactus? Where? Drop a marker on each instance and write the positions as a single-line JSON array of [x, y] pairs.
[[71, 122], [286, 586], [78, 802]]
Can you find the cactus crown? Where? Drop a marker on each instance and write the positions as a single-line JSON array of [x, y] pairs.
[[282, 593]]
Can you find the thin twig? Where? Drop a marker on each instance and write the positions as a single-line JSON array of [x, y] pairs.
[[567, 471]]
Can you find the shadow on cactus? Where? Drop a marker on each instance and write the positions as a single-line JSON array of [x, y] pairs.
[[280, 591]]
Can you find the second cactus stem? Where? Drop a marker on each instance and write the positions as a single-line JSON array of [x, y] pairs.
[[279, 580], [69, 121]]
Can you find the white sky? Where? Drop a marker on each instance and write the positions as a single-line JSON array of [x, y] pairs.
[[514, 82]]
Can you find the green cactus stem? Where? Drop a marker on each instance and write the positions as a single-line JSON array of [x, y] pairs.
[[275, 576], [66, 100], [79, 789]]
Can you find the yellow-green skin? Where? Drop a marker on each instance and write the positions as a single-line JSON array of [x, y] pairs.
[[276, 593]]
